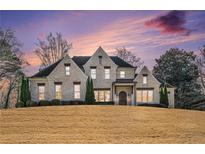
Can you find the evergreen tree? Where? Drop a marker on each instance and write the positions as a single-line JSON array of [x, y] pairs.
[[87, 95], [92, 92], [178, 68], [23, 91], [166, 100], [161, 96]]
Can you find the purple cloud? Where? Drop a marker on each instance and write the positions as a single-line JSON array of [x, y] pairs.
[[172, 22]]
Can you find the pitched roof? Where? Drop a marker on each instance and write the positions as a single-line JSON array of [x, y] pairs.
[[123, 81], [46, 71], [81, 60]]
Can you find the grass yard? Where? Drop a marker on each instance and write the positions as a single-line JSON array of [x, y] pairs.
[[101, 124]]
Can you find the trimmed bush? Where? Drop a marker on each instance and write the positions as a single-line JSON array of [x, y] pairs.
[[44, 103], [19, 104], [104, 103], [33, 104], [55, 102], [152, 105], [73, 102]]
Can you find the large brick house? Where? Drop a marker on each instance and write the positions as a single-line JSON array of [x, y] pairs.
[[113, 80]]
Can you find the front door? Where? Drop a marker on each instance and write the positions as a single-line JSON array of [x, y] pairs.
[[122, 98]]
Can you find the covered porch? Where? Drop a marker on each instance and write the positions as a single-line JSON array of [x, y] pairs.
[[123, 91]]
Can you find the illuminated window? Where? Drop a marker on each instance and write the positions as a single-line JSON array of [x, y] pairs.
[[139, 96], [76, 91], [144, 96], [102, 95], [41, 91], [122, 74], [93, 73], [107, 73], [144, 79], [58, 91], [67, 69]]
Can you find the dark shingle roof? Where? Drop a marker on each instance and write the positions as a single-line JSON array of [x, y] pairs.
[[80, 61], [46, 71], [118, 61]]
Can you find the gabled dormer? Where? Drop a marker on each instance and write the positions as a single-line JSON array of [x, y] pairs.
[[145, 78], [101, 68]]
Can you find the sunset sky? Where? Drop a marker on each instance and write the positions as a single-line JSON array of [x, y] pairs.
[[148, 34]]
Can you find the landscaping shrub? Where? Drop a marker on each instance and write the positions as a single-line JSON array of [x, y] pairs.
[[153, 105], [73, 102], [44, 103], [104, 103], [19, 104], [33, 104], [55, 102]]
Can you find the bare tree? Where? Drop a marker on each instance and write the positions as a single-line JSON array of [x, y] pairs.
[[52, 49], [129, 57], [11, 63], [201, 65]]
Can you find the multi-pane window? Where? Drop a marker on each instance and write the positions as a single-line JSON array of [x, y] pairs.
[[58, 90], [67, 69], [93, 73], [41, 91], [102, 95], [122, 74], [76, 90], [144, 79], [107, 73], [145, 96]]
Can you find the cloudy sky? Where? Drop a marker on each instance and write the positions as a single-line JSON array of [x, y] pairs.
[[148, 34]]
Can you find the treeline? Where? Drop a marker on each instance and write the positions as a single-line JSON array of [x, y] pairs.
[[177, 67]]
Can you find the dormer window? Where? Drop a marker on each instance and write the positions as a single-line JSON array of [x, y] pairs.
[[122, 74], [100, 59], [67, 69], [144, 81]]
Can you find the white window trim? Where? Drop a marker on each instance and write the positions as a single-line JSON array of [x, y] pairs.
[[60, 91], [42, 92], [93, 73], [107, 78], [74, 91], [122, 74], [67, 72], [144, 77]]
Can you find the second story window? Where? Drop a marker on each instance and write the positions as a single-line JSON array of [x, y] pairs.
[[41, 91], [122, 74], [107, 72], [93, 72], [144, 79], [67, 69], [58, 90]]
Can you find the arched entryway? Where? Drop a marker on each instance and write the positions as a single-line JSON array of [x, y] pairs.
[[122, 98]]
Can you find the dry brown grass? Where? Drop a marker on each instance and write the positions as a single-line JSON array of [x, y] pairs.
[[101, 124]]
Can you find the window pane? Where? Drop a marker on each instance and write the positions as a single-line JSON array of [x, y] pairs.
[[122, 74], [101, 96], [107, 95], [96, 96], [58, 91], [150, 96], [144, 96], [93, 73], [67, 70], [107, 73], [139, 96], [144, 79], [41, 92], [76, 91]]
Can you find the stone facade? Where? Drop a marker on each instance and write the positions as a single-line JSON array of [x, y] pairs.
[[124, 90]]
